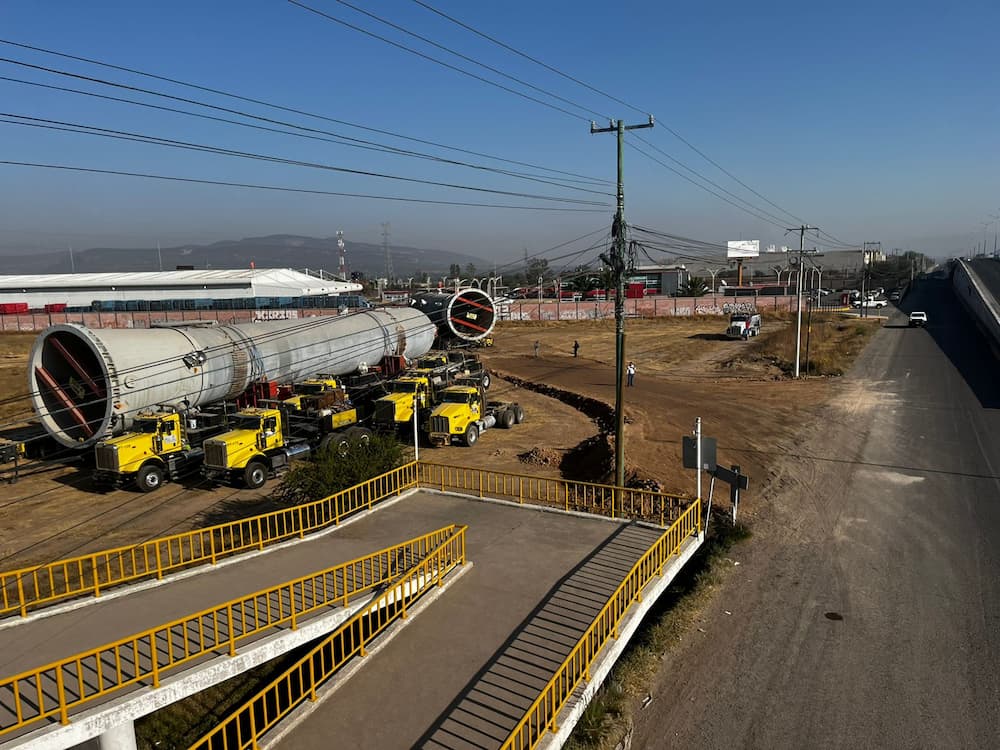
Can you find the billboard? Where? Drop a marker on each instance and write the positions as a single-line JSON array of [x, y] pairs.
[[742, 249]]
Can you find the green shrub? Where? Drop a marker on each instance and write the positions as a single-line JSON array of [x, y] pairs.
[[329, 472]]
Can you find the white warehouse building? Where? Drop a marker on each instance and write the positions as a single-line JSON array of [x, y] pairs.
[[226, 289]]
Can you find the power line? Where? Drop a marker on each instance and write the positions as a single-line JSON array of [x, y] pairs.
[[189, 146], [526, 56], [285, 189], [435, 60], [292, 110], [461, 56], [335, 137], [614, 98]]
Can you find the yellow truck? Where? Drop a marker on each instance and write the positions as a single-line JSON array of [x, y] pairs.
[[262, 442], [394, 411], [160, 446], [463, 413]]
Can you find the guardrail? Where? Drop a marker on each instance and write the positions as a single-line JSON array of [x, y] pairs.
[[243, 728], [52, 690], [29, 588], [601, 499], [542, 715]]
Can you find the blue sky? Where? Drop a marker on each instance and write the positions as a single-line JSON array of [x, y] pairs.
[[874, 120]]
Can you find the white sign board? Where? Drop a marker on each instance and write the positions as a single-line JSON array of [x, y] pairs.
[[743, 249]]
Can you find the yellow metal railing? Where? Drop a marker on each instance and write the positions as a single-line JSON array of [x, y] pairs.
[[29, 588], [601, 499], [54, 689], [253, 719], [542, 715]]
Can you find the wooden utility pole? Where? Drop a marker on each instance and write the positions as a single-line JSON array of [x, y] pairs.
[[798, 303], [619, 270]]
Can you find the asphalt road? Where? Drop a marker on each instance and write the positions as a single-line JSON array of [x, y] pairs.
[[865, 612]]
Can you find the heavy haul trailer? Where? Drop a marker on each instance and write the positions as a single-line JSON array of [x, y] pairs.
[[262, 442], [161, 445], [91, 384]]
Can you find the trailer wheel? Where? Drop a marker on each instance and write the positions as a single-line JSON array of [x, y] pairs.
[[336, 441], [507, 419], [149, 478], [518, 413], [361, 434], [255, 475], [471, 435]]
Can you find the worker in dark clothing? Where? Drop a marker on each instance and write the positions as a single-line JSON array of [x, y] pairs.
[[576, 348], [630, 371]]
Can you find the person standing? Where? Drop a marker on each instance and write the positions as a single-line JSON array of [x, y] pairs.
[[630, 371], [576, 348], [537, 347]]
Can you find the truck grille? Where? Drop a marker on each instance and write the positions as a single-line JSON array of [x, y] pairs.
[[385, 412], [440, 424], [106, 457], [215, 454]]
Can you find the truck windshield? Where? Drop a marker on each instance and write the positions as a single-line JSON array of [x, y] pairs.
[[429, 363], [455, 398], [404, 387], [144, 425], [739, 319], [244, 422]]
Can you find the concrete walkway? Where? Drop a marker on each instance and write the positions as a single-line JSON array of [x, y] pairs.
[[463, 673], [525, 553]]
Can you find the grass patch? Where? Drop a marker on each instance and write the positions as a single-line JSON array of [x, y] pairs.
[[833, 345], [608, 717]]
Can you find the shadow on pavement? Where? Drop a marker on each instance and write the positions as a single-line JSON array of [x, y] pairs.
[[957, 335]]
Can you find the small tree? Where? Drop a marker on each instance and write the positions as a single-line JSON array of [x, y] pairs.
[[694, 287], [455, 271], [329, 472]]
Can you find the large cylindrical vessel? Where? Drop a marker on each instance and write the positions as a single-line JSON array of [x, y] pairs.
[[467, 314], [87, 383]]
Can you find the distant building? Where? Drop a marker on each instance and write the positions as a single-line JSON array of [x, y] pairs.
[[661, 279], [234, 289]]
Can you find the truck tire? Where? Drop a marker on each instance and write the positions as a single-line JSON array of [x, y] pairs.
[[361, 434], [471, 435], [487, 380], [507, 419], [149, 478], [518, 413], [255, 475], [336, 441]]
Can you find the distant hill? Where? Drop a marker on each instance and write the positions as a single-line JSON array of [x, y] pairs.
[[274, 251]]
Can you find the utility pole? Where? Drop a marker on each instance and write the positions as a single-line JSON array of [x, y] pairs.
[[72, 260], [387, 251], [159, 255], [798, 303], [618, 269]]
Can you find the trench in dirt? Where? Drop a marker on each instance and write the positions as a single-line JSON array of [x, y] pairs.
[[591, 460]]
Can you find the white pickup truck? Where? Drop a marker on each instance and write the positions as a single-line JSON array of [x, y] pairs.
[[918, 319]]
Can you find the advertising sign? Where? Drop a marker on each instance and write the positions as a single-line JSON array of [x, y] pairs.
[[742, 249]]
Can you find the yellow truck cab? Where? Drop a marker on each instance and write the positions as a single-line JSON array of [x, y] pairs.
[[463, 413], [159, 446], [395, 410], [262, 442]]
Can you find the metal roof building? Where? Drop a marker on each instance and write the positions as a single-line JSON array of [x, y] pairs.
[[78, 290]]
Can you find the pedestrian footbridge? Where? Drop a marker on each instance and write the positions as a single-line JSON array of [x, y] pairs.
[[443, 607]]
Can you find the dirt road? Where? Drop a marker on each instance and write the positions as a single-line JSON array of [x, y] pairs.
[[866, 610]]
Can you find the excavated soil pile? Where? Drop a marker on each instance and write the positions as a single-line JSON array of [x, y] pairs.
[[541, 457]]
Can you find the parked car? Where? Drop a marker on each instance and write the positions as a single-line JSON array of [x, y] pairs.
[[918, 319], [878, 304], [894, 296]]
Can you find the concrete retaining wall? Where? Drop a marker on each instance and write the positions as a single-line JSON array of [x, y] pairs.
[[979, 301]]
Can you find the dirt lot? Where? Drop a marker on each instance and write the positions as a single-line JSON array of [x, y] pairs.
[[685, 369]]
